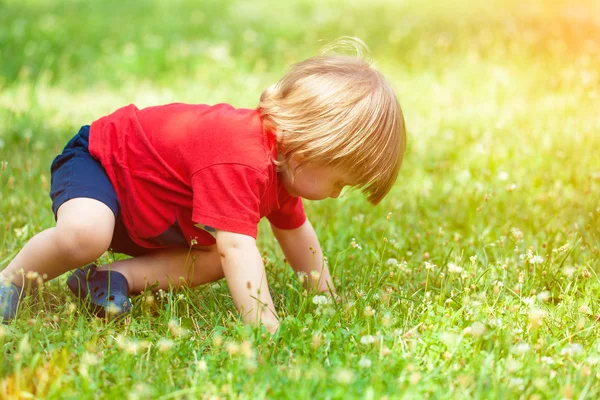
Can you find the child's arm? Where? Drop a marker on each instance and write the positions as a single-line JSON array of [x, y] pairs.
[[245, 274], [303, 251]]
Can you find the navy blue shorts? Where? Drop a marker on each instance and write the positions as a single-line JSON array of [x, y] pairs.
[[75, 173]]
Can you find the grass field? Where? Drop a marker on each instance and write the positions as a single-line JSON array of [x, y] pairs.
[[477, 277]]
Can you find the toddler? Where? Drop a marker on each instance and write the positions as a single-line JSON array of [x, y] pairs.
[[182, 187]]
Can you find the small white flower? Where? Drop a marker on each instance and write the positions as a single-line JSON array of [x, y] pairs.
[[344, 376], [89, 358], [454, 269], [429, 266], [547, 360], [521, 348], [544, 296], [536, 260], [392, 261], [502, 176], [165, 345], [367, 339], [320, 300], [529, 300], [365, 363], [202, 366], [572, 349]]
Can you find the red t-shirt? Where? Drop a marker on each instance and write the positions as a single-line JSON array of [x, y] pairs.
[[181, 171]]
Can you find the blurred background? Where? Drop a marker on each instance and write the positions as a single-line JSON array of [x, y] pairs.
[[497, 94]]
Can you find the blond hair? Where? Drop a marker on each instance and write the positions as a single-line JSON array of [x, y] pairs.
[[337, 110]]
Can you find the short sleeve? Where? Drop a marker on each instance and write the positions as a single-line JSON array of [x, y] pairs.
[[227, 197], [290, 214]]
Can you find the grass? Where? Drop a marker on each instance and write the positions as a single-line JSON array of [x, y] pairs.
[[477, 277]]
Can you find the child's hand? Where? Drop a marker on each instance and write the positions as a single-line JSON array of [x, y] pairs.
[[245, 274]]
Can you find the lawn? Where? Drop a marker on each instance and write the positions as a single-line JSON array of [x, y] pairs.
[[477, 277]]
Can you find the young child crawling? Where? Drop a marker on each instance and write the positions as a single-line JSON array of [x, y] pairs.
[[157, 182]]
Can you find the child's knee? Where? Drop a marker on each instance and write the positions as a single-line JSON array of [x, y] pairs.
[[81, 240]]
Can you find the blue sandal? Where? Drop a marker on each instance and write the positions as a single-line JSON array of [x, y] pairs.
[[107, 291], [10, 296]]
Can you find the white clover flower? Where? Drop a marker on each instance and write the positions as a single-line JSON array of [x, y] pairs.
[[165, 345], [365, 363], [344, 376], [521, 348], [478, 329], [355, 245], [544, 296], [367, 339], [572, 349], [536, 259], [392, 261], [529, 301], [547, 360], [454, 269], [429, 266], [89, 358], [536, 317], [516, 233], [502, 176], [368, 311], [320, 300], [202, 366]]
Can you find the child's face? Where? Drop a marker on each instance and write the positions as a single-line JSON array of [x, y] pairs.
[[314, 181]]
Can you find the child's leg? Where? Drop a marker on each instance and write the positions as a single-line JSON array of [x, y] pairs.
[[170, 268], [83, 232]]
